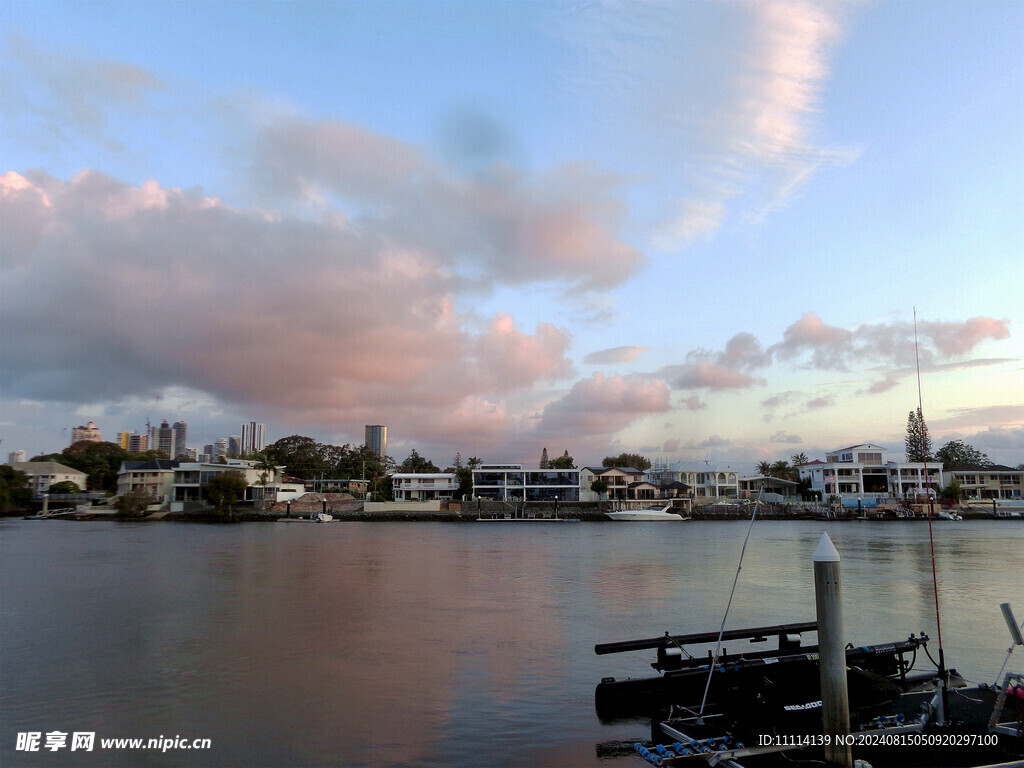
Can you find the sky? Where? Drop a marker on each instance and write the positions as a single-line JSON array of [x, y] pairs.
[[702, 231]]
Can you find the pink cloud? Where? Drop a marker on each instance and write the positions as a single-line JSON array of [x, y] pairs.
[[694, 403], [952, 339], [708, 375], [306, 318], [603, 405], [500, 227], [614, 356]]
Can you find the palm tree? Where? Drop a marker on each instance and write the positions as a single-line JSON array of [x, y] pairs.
[[764, 468]]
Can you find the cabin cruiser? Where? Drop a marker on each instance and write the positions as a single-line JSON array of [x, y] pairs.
[[647, 515]]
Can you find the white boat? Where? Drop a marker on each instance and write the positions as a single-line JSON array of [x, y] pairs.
[[647, 515]]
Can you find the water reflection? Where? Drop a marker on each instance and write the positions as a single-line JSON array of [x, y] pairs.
[[427, 645]]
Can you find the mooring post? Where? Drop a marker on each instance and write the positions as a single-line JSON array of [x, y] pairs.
[[835, 702]]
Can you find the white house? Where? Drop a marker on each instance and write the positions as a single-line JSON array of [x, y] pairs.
[[865, 471], [191, 476], [43, 474], [154, 477], [424, 486]]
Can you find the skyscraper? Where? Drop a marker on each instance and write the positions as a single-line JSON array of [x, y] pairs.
[[180, 430], [235, 446], [162, 439], [377, 439], [254, 438]]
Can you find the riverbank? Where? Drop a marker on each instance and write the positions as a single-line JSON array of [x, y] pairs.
[[343, 508]]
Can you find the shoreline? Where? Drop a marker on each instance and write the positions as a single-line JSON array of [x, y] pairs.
[[565, 513]]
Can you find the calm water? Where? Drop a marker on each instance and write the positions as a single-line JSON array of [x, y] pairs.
[[375, 644]]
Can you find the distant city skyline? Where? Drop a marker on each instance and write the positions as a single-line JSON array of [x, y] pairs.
[[697, 230]]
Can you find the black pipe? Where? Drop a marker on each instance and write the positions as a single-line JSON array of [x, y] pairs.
[[704, 637]]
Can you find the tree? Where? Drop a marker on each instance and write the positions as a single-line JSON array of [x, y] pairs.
[[600, 487], [301, 456], [958, 453], [764, 468], [544, 463], [799, 459], [133, 503], [918, 442], [564, 461], [417, 463], [783, 471], [15, 489], [225, 488], [952, 491], [65, 486], [633, 460]]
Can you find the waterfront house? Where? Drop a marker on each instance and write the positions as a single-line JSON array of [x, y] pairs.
[[424, 486], [154, 477], [623, 483], [865, 471], [190, 477], [509, 482], [994, 481], [43, 474]]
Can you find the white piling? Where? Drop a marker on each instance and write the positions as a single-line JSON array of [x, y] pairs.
[[835, 701]]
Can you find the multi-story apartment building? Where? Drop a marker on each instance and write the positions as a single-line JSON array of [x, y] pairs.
[[15, 457], [133, 441], [410, 486], [509, 482], [88, 432]]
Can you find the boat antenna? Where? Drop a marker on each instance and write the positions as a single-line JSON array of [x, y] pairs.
[[931, 532], [721, 629]]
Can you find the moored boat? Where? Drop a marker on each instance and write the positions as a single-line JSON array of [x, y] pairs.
[[649, 514]]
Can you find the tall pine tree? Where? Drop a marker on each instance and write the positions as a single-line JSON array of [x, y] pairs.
[[918, 442], [544, 459]]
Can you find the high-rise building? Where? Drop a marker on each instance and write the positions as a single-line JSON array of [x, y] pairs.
[[138, 443], [89, 432], [180, 430], [377, 439], [162, 439], [235, 445], [220, 448], [122, 439], [254, 438], [15, 457]]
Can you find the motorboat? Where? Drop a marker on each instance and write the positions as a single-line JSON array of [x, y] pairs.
[[649, 514]]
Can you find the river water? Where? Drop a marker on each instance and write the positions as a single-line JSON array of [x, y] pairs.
[[428, 644]]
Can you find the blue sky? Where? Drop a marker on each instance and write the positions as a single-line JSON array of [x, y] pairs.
[[696, 230]]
